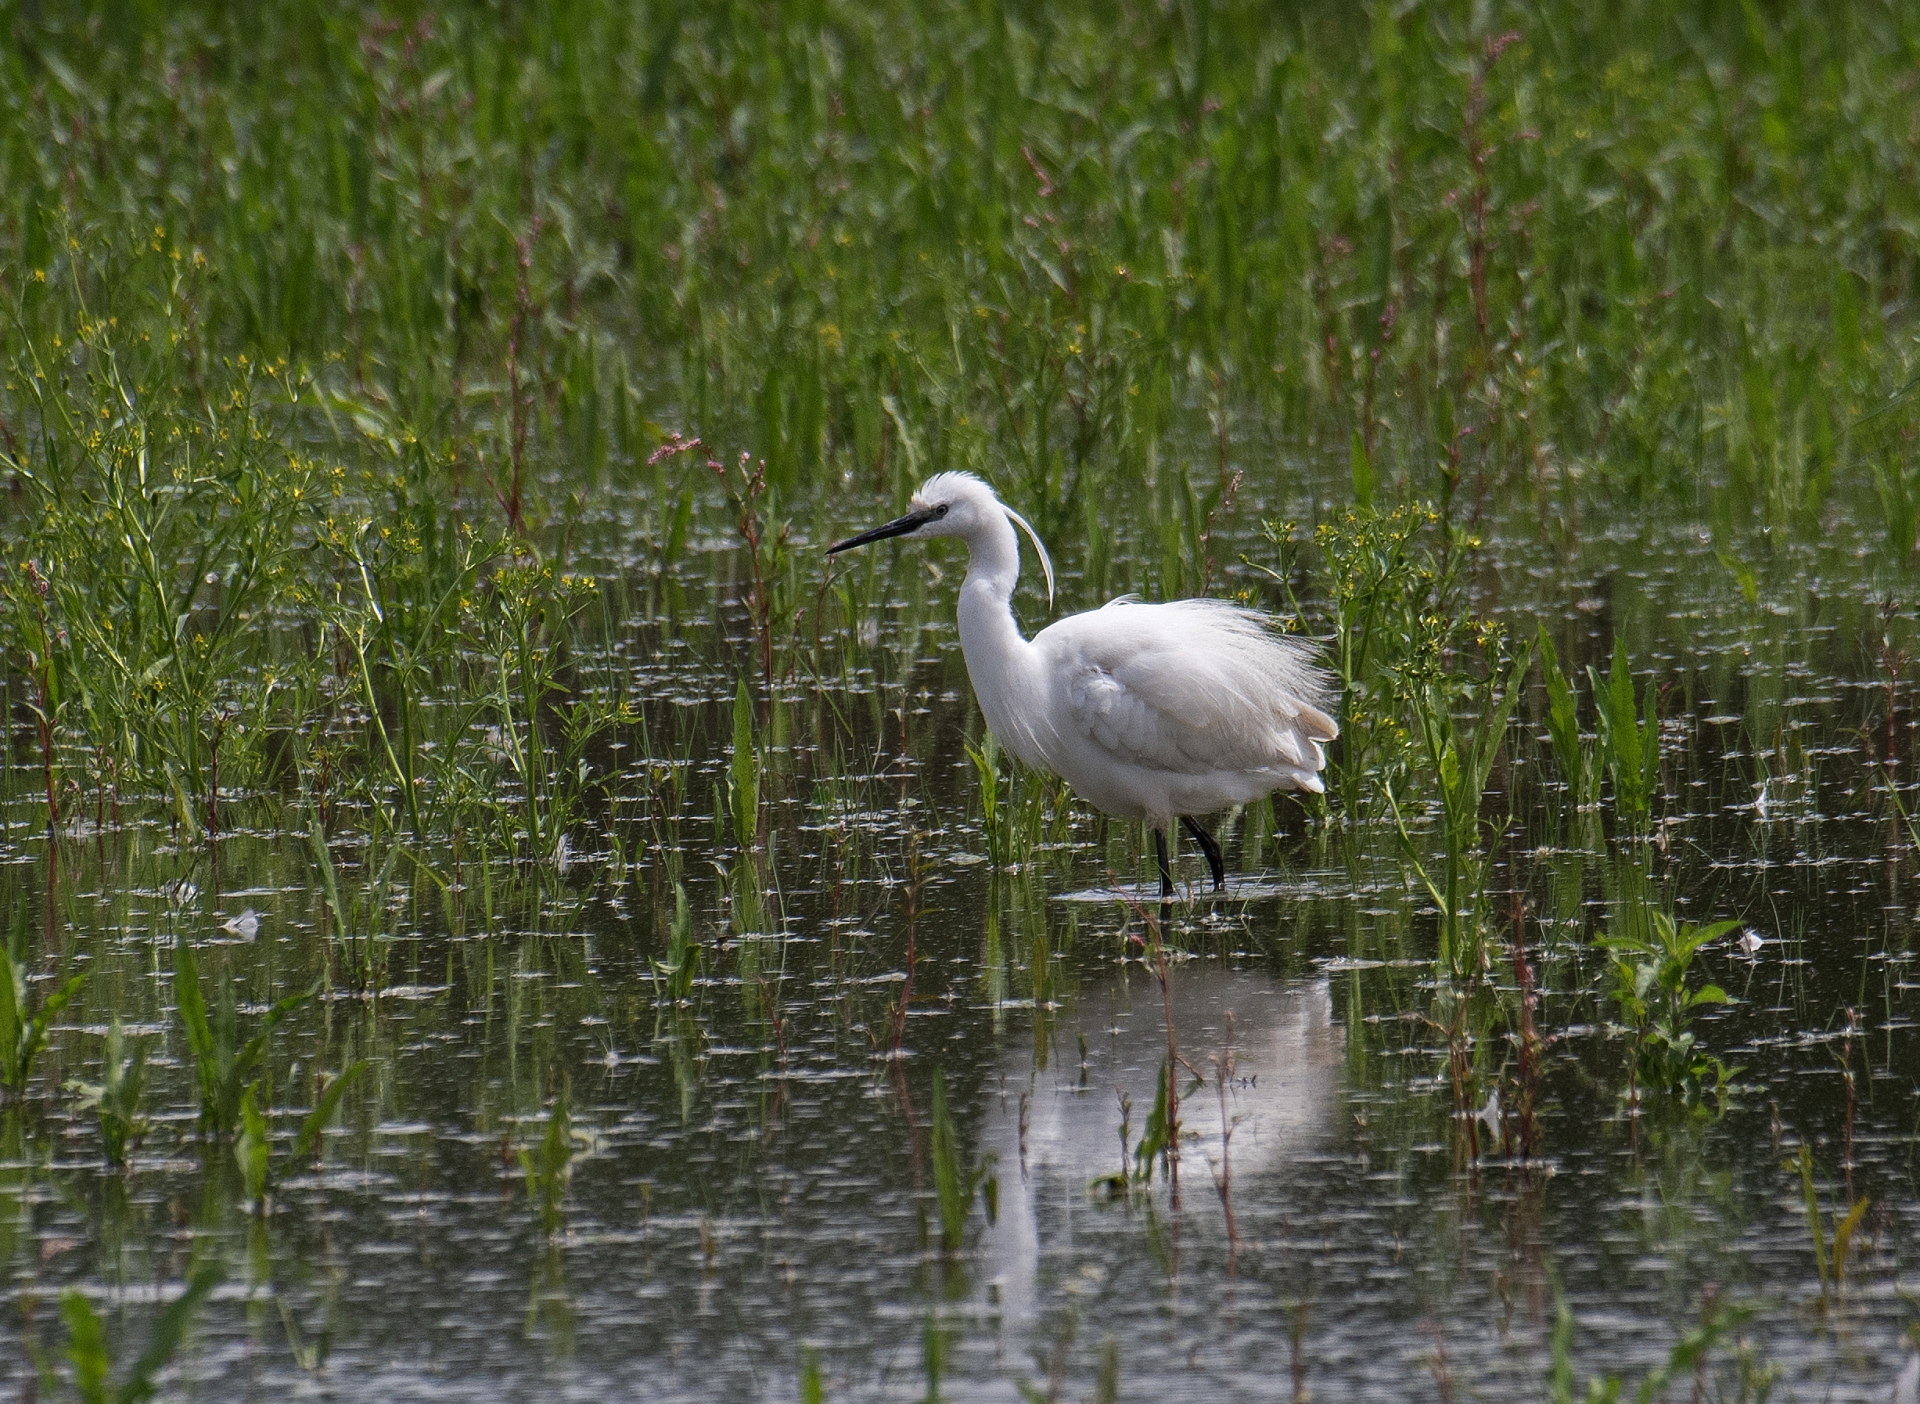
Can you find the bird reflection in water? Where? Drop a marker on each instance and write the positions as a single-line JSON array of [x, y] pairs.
[[1282, 1102]]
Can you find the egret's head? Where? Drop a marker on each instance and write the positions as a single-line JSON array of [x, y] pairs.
[[952, 504]]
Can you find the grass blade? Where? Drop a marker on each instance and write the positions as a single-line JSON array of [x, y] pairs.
[[168, 1332], [315, 1124]]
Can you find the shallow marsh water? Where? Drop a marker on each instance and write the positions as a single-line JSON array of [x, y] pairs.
[[753, 1185]]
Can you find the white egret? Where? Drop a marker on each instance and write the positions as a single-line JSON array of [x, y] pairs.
[[1149, 711]]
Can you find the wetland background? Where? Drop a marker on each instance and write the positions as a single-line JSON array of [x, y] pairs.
[[492, 912]]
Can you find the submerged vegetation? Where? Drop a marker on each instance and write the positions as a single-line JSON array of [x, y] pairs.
[[420, 429]]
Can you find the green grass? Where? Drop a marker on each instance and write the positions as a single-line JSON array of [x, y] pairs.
[[317, 319]]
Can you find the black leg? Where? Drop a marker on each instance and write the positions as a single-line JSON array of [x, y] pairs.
[[1215, 862], [1166, 871]]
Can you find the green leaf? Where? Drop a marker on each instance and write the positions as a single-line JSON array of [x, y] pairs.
[[1560, 1371], [255, 1048], [554, 1164], [251, 1149], [1649, 745], [1156, 1138], [683, 959], [1493, 731], [192, 1003], [17, 930], [1622, 738], [41, 1024], [1743, 576], [1843, 1238], [323, 861], [86, 1346], [1410, 852], [13, 1000], [11, 1027], [24, 1029], [1812, 1201], [677, 532], [1563, 721], [314, 1125], [744, 771], [116, 1100], [950, 1184], [167, 1334], [1449, 768]]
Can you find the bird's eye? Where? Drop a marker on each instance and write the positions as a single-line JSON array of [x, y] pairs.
[[941, 510]]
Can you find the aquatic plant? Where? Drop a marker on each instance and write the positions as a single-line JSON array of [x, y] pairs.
[[1651, 985], [252, 1150], [253, 1146], [524, 638], [1460, 765], [93, 1365], [1830, 1252], [1629, 743], [548, 1167], [115, 1099], [326, 1107], [1385, 586], [936, 1344], [1157, 1138], [24, 1019], [1579, 760], [1012, 805], [743, 773], [766, 601], [1688, 1356], [955, 1184], [121, 555], [674, 975], [223, 1063], [1223, 1074], [397, 621], [1020, 809]]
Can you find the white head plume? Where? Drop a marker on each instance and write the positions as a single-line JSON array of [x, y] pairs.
[[1046, 561]]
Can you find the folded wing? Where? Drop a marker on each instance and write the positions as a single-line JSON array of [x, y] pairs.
[[1193, 687]]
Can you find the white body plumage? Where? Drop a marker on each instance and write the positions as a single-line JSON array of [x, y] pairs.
[[1149, 711]]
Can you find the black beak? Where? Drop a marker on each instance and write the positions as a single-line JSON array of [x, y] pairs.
[[899, 526]]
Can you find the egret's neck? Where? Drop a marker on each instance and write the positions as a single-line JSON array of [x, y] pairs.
[[1000, 663], [987, 630]]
